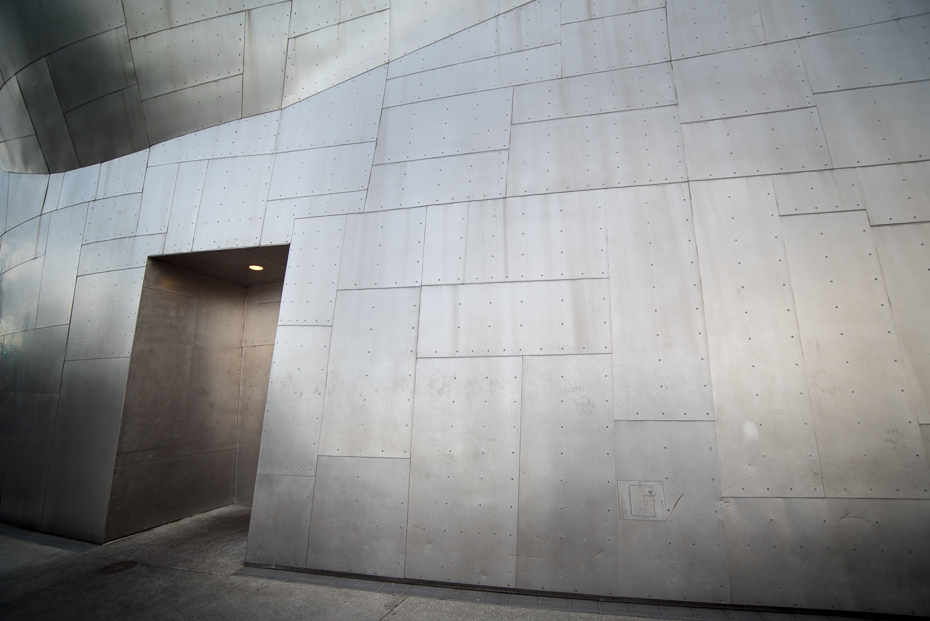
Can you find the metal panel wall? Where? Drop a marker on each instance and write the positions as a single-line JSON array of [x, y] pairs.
[[181, 112], [233, 203], [444, 244], [817, 192], [38, 91], [92, 67], [309, 295], [124, 175], [32, 421], [103, 320], [32, 360], [108, 127], [383, 249], [18, 245], [119, 254], [110, 218], [896, 194], [63, 253], [25, 199], [79, 186], [14, 118], [280, 528], [695, 28], [53, 194], [265, 58], [19, 289], [321, 171], [310, 15], [251, 136], [142, 18], [185, 203], [23, 155], [580, 10], [790, 19], [414, 24], [615, 42], [281, 214], [157, 194]]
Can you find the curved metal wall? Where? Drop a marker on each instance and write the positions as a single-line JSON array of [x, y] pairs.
[[614, 298]]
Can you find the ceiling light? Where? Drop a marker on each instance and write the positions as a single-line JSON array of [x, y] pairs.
[[257, 268]]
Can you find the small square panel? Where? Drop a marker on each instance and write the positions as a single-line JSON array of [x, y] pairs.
[[642, 500]]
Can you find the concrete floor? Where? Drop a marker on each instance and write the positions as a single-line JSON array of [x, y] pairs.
[[193, 569]]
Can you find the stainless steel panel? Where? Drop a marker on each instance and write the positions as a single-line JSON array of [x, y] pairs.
[[18, 245], [119, 254], [659, 346], [369, 389], [552, 237], [294, 407], [32, 422], [84, 448], [23, 155], [348, 49], [904, 253], [818, 192], [157, 193], [450, 126], [79, 186], [253, 393], [14, 118], [682, 556], [63, 252], [4, 195], [92, 67], [523, 67], [350, 9], [321, 171], [52, 132], [143, 17], [265, 58], [280, 528], [763, 415], [19, 290], [359, 519], [896, 194], [608, 91], [383, 249], [829, 554], [280, 214], [791, 19], [233, 203], [876, 125], [310, 15], [262, 305], [568, 494], [251, 136], [32, 360], [344, 114], [110, 218], [185, 203], [53, 194], [615, 42], [789, 141], [125, 175], [108, 127], [438, 180], [415, 24], [25, 198], [580, 10], [444, 244], [867, 434], [181, 112], [42, 239], [512, 319], [466, 424], [103, 320], [309, 295], [695, 28], [636, 147]]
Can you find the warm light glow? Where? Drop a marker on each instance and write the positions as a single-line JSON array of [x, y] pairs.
[[257, 268]]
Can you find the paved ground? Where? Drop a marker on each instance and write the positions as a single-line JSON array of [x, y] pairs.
[[193, 569]]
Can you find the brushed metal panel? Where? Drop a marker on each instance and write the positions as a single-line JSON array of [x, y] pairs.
[[359, 519], [437, 180], [251, 136], [684, 555], [896, 194], [4, 195], [143, 17], [32, 360], [32, 422], [867, 434], [187, 110], [109, 127], [280, 527], [350, 9], [521, 318], [568, 495], [791, 19], [580, 10], [18, 245], [103, 320], [444, 244], [110, 218], [817, 192], [635, 147], [294, 407], [550, 237], [42, 239], [253, 393], [119, 254], [262, 305], [764, 423], [310, 15], [281, 214], [309, 295], [767, 78], [836, 554], [92, 67], [26, 196], [323, 58], [659, 346], [615, 42], [14, 118], [369, 389], [383, 249], [23, 155], [534, 65], [876, 125], [19, 291], [185, 203], [696, 28], [52, 132], [157, 193], [789, 141], [454, 125], [53, 194], [125, 175], [344, 114], [415, 24], [62, 254], [84, 447], [79, 186], [466, 424], [233, 203], [321, 171], [607, 91], [265, 58]]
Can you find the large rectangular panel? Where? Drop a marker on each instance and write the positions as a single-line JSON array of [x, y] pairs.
[[265, 58], [104, 317], [23, 155], [26, 198], [92, 67], [680, 555], [79, 186], [615, 42], [817, 192], [281, 214], [568, 493], [253, 397], [185, 203], [383, 249], [19, 290], [35, 82], [321, 171], [309, 295], [62, 254], [157, 193], [187, 110], [444, 244], [636, 147], [32, 360], [143, 18], [359, 519], [252, 136], [110, 218], [465, 471], [450, 126], [896, 194], [233, 203], [791, 19], [280, 527], [369, 389], [14, 118], [18, 244], [696, 28], [109, 127], [415, 24], [877, 125], [659, 346], [124, 175], [31, 427], [119, 254], [763, 414], [509, 319], [581, 10], [760, 144], [867, 433]]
